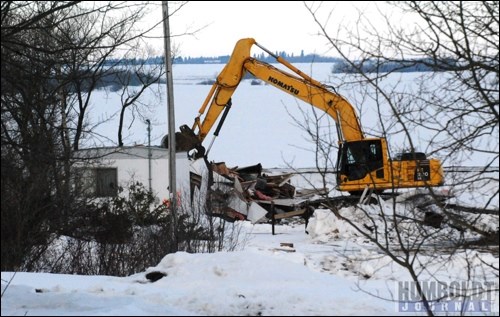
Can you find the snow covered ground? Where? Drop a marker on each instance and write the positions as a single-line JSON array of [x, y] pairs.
[[262, 279], [332, 270]]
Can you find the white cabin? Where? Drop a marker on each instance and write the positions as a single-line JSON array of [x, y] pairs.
[[106, 168]]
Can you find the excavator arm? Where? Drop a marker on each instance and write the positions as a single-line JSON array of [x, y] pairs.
[[222, 90], [298, 85]]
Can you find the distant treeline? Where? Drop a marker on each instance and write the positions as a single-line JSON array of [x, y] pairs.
[[115, 80], [340, 65], [302, 58], [414, 65]]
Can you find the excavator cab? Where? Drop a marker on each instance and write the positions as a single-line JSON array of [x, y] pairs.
[[359, 159]]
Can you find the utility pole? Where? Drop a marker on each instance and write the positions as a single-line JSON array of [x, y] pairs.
[[171, 125], [149, 155]]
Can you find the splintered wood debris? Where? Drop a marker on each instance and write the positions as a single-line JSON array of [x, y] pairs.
[[248, 193]]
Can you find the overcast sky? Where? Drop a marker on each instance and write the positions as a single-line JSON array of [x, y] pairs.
[[278, 26]]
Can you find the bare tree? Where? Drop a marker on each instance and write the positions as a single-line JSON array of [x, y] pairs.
[[31, 148], [135, 79], [458, 40], [455, 101], [54, 55]]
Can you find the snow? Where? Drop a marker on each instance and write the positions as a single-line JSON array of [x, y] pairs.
[[331, 270], [257, 281]]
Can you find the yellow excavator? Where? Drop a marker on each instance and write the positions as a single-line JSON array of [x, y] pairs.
[[362, 163]]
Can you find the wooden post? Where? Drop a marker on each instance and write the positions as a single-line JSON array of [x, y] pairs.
[[272, 216]]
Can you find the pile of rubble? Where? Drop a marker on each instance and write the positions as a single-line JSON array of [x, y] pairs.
[[248, 193]]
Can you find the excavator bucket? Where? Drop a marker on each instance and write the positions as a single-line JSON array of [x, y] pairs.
[[185, 141]]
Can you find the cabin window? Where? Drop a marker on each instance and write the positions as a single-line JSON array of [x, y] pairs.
[[99, 182]]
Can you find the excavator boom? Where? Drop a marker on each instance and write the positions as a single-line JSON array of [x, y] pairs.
[[300, 86]]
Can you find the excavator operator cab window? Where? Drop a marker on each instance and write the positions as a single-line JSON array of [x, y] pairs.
[[358, 158], [350, 157]]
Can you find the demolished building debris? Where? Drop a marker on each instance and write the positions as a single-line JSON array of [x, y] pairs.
[[248, 193]]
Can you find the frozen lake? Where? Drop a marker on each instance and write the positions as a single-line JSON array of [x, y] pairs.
[[260, 127]]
